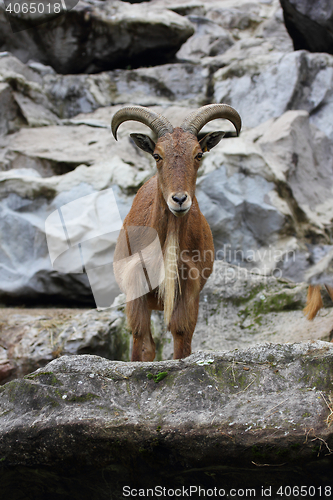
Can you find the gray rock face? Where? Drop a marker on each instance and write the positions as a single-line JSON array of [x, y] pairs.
[[255, 195], [25, 267], [99, 36], [183, 84], [310, 24], [236, 209], [266, 87], [43, 97], [8, 109], [253, 190], [210, 39], [174, 423]]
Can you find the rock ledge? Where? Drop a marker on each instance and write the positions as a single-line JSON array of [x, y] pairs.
[[203, 420]]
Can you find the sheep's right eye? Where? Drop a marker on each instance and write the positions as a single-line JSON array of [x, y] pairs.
[[157, 157]]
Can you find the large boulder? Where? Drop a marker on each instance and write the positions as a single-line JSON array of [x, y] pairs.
[[245, 30], [98, 36], [86, 427], [266, 86], [310, 24], [27, 201], [254, 192]]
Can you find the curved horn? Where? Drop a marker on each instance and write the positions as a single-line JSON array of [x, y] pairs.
[[158, 123], [196, 120]]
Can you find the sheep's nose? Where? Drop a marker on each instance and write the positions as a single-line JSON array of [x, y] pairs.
[[179, 198]]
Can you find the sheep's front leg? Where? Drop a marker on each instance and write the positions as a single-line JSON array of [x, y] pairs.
[[182, 325], [138, 317]]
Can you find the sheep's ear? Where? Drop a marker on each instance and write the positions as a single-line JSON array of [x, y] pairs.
[[210, 140], [144, 142]]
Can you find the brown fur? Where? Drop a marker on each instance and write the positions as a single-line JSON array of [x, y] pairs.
[[313, 302], [190, 236]]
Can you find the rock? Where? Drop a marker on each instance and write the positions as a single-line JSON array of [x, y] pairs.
[[254, 192], [10, 66], [180, 84], [42, 95], [26, 202], [237, 212], [173, 423], [60, 149], [209, 40], [25, 90], [240, 307], [35, 114], [308, 162], [237, 307], [38, 90], [73, 94], [184, 84], [244, 82], [57, 150], [309, 24], [267, 86], [99, 36], [256, 28], [273, 31], [8, 109], [30, 339]]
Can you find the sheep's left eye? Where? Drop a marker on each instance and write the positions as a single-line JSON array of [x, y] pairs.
[[199, 156], [156, 157]]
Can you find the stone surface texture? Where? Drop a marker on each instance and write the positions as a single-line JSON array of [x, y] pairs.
[[95, 36], [237, 309], [175, 423]]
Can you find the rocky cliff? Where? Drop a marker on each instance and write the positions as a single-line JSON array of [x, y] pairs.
[[254, 400], [267, 192]]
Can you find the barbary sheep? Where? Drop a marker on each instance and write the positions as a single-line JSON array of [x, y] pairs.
[[166, 206]]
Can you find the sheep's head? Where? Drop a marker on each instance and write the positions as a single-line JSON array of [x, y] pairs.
[[178, 151]]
